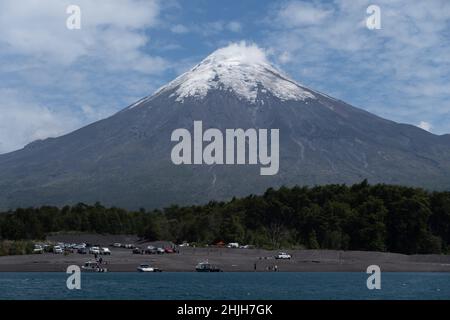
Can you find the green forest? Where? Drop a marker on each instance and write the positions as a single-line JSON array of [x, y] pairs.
[[359, 217]]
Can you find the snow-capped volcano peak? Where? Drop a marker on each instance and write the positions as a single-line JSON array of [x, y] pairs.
[[240, 68]]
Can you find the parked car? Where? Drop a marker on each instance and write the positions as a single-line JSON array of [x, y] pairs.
[[147, 268], [117, 245], [82, 251], [233, 245], [184, 244], [38, 249], [138, 251], [151, 250], [105, 251], [160, 250], [79, 246], [129, 246], [169, 250], [94, 250], [283, 255], [58, 250]]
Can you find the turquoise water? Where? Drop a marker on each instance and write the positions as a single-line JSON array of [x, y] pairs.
[[266, 286]]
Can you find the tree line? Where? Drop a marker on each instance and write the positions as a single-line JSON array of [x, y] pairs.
[[359, 217]]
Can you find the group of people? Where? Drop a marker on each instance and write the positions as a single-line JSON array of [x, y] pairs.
[[99, 259], [268, 268], [272, 268]]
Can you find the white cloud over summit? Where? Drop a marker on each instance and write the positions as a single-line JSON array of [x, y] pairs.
[[242, 52]]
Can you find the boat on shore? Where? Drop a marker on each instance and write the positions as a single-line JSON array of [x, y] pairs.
[[205, 266], [93, 266], [147, 268]]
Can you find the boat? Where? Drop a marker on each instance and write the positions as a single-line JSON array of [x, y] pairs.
[[93, 266], [205, 266], [147, 268]]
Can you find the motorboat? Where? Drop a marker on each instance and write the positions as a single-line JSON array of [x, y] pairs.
[[205, 266], [93, 266]]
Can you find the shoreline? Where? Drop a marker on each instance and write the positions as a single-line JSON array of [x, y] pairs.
[[235, 260], [227, 259]]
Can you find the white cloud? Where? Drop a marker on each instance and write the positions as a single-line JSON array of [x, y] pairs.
[[54, 80], [401, 71], [243, 52], [285, 57], [23, 121], [300, 13], [179, 28], [234, 26], [92, 114], [111, 31], [425, 126], [216, 27]]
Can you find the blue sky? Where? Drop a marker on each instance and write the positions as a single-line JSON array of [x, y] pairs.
[[54, 80]]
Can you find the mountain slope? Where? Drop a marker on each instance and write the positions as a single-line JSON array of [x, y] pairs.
[[125, 160]]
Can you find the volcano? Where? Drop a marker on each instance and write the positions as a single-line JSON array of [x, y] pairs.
[[125, 160]]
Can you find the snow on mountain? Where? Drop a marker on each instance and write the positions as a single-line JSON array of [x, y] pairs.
[[240, 68], [125, 160]]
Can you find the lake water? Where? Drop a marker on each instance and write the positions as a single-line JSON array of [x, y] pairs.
[[266, 286]]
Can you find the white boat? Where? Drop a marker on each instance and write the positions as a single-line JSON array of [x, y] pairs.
[[93, 266], [205, 266], [147, 268]]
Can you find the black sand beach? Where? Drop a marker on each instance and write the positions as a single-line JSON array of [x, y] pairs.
[[123, 260]]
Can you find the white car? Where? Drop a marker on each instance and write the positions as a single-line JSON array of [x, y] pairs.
[[117, 245], [147, 268], [94, 250], [58, 250], [283, 255], [38, 249], [233, 245], [105, 251]]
